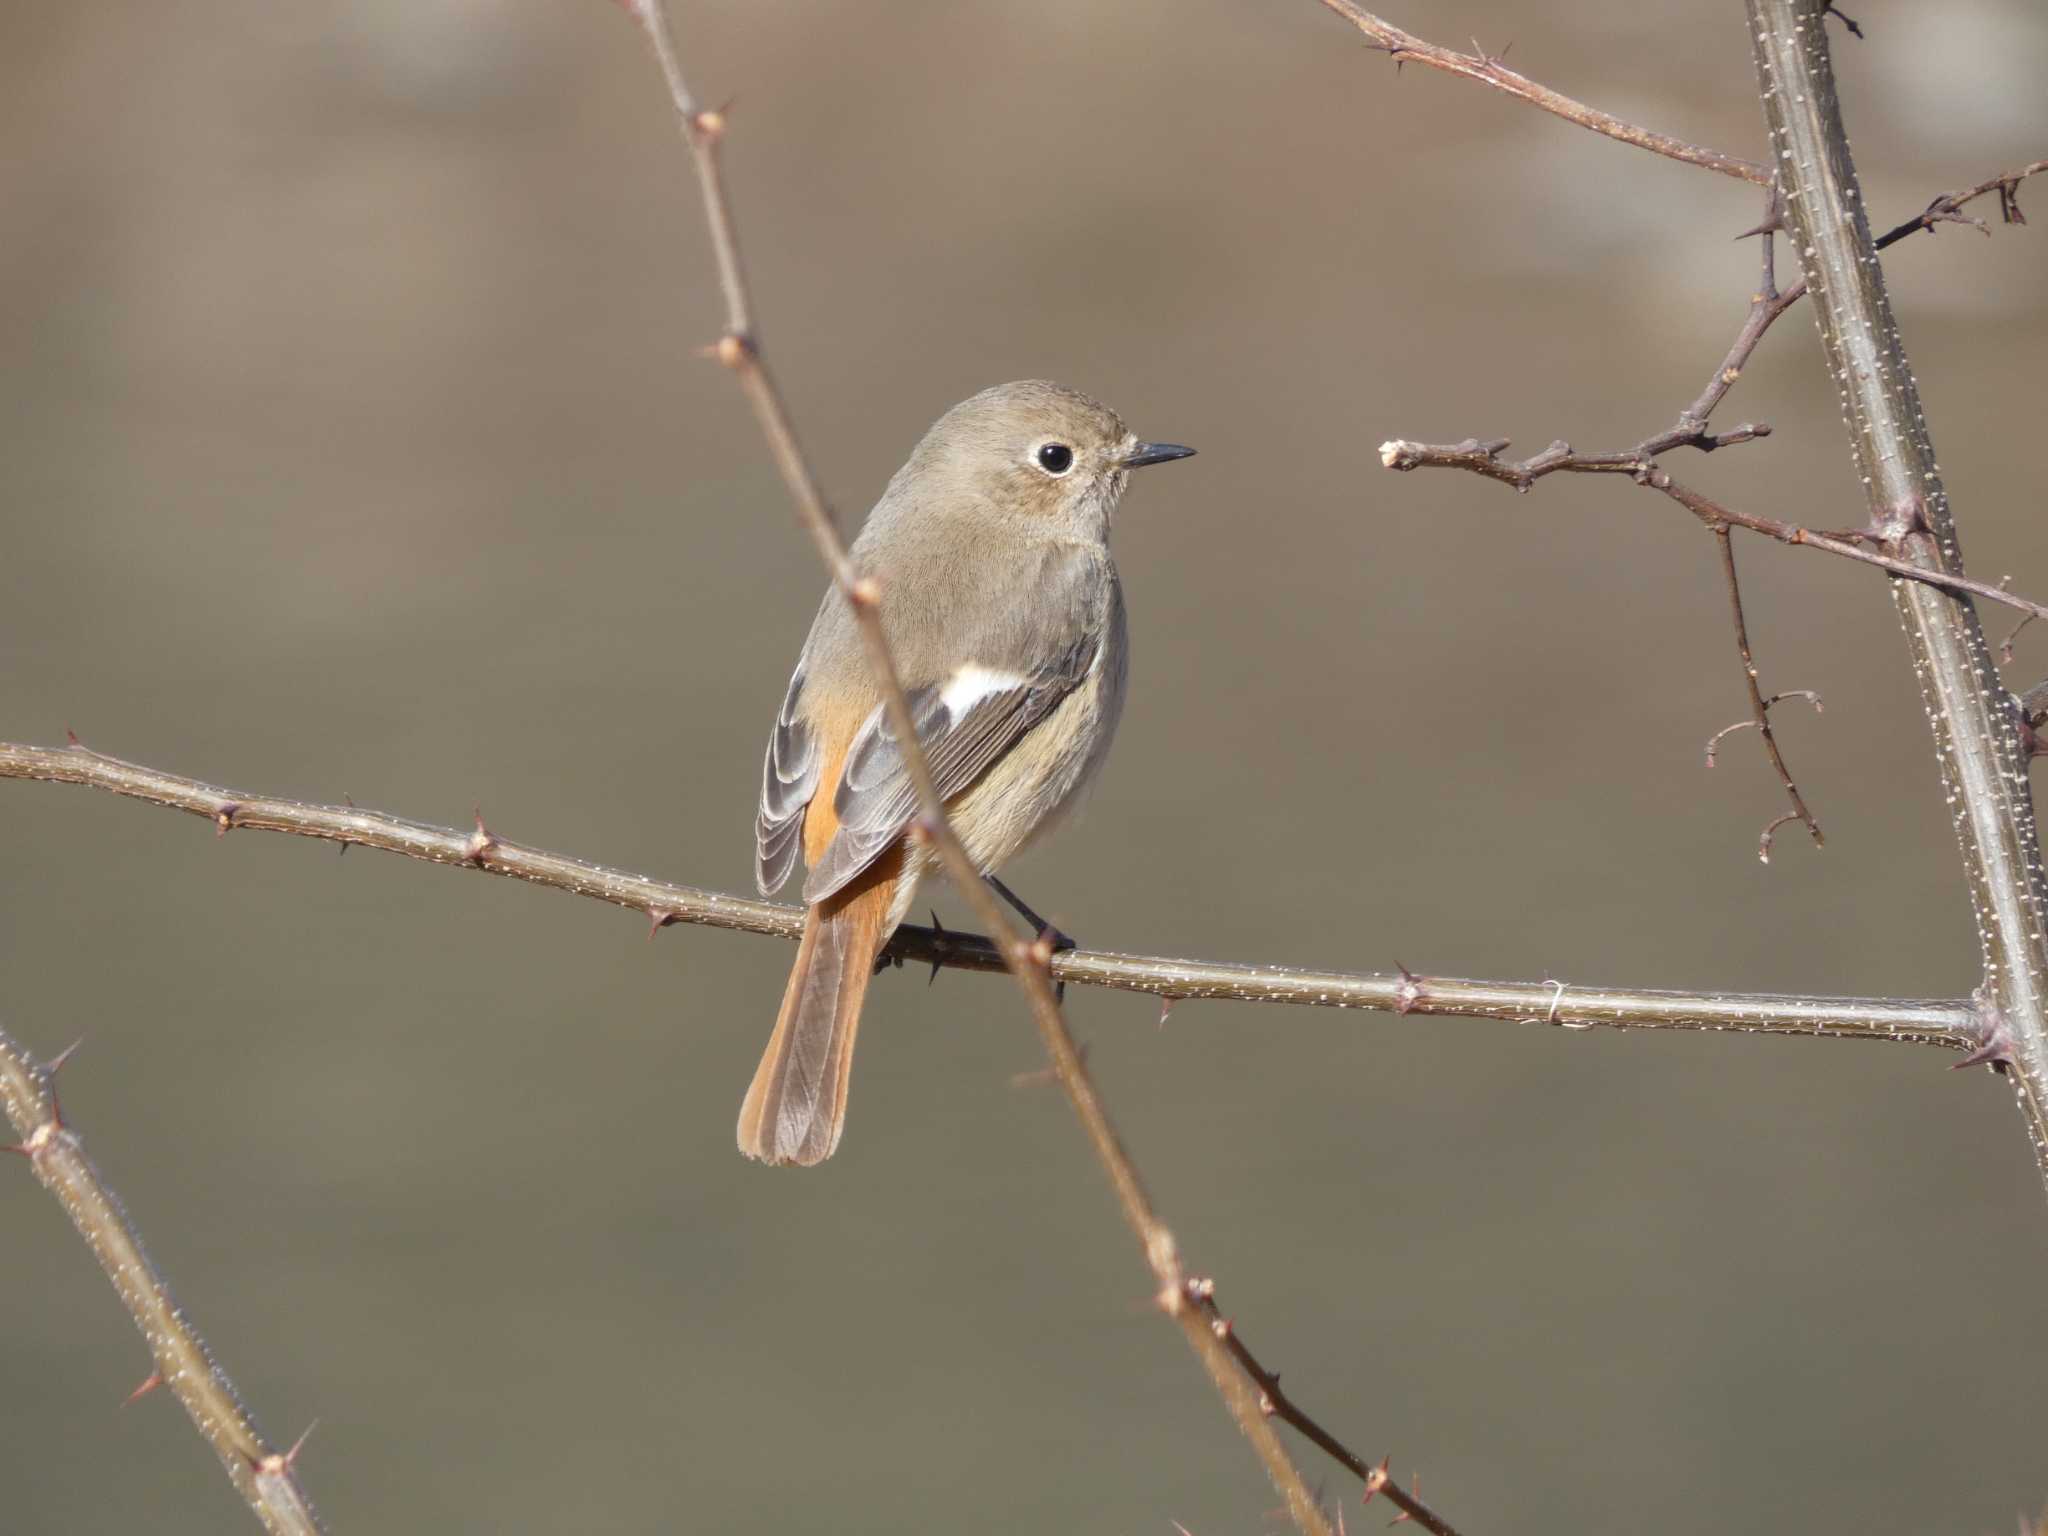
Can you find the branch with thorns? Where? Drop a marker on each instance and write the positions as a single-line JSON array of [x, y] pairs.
[[1272, 1400], [1691, 430], [1954, 1024], [266, 1477], [1029, 961], [1488, 69]]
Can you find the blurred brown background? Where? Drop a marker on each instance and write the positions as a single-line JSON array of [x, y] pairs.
[[353, 442]]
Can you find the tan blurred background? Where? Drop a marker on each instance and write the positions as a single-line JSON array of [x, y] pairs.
[[352, 442]]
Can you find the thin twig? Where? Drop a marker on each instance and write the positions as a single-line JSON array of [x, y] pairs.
[[1487, 69], [1483, 457], [1766, 305], [1028, 961], [1759, 706], [1945, 208], [1202, 1292], [1951, 1023], [264, 1476]]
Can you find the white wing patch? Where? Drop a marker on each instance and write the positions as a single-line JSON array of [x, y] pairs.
[[971, 684]]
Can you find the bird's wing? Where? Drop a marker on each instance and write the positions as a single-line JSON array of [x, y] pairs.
[[964, 723], [789, 778]]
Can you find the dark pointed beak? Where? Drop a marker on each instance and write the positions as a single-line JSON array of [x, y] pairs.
[[1155, 453]]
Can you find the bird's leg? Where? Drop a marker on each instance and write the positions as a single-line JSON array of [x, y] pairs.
[[1038, 924]]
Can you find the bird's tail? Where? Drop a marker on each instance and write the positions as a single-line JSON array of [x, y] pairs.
[[796, 1107]]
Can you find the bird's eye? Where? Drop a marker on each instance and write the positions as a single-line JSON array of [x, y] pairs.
[[1055, 458]]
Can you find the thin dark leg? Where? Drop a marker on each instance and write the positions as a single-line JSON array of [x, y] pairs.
[[1038, 924]]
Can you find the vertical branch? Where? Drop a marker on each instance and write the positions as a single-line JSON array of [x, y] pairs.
[[1028, 961], [1976, 726], [265, 1476]]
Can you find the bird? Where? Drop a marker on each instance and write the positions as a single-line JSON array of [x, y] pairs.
[[1001, 605]]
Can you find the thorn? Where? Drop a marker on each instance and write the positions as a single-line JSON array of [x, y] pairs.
[[1409, 993], [72, 741], [150, 1383], [19, 1148], [1375, 1480], [278, 1464], [1044, 1075], [1165, 1008], [658, 918], [224, 819], [1996, 1046], [941, 943], [56, 1062], [350, 802], [480, 841], [291, 1456]]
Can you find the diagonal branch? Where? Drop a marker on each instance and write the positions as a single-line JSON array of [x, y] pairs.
[[1028, 962], [265, 1476], [1273, 1400], [1954, 1024], [1406, 48]]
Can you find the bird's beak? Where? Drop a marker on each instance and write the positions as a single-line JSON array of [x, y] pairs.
[[1155, 453]]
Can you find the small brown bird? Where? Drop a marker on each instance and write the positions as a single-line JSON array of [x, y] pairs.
[[1003, 611]]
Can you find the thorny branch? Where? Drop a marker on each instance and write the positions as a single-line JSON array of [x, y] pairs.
[[1488, 69], [1691, 431], [1977, 742], [1952, 1023], [265, 1476], [1202, 1293], [1484, 458], [1028, 962]]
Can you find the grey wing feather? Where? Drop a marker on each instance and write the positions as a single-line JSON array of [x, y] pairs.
[[875, 799], [789, 778]]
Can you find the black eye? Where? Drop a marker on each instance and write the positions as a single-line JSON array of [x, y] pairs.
[[1056, 458]]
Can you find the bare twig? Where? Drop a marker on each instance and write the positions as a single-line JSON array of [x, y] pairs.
[[1977, 739], [1766, 305], [265, 1476], [1202, 1292], [1759, 706], [1483, 457], [1406, 48], [1950, 1023], [1028, 961], [1946, 208]]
